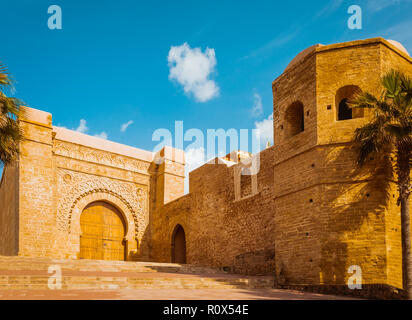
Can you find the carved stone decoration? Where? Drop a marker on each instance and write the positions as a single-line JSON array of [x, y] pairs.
[[99, 156], [67, 178], [81, 185]]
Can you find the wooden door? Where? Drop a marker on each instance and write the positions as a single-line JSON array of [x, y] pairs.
[[103, 232]]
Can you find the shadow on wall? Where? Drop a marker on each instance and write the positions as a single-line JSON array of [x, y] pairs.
[[354, 217], [143, 249], [254, 263]]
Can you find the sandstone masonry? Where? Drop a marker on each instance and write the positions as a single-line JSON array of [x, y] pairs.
[[305, 216]]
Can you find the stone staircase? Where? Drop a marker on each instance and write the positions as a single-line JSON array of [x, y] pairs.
[[23, 273]]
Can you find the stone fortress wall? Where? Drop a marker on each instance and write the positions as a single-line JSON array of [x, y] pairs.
[[314, 213], [305, 216]]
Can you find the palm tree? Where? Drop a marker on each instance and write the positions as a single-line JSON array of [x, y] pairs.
[[390, 130], [10, 132]]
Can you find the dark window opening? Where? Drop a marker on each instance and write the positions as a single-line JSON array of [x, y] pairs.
[[345, 113], [295, 119], [342, 100]]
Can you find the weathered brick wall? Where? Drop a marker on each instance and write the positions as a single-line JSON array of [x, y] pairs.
[[352, 213], [394, 59], [251, 225], [59, 176], [295, 213], [168, 171], [339, 66], [393, 238], [330, 214], [8, 211], [316, 213], [37, 210], [237, 235], [296, 85], [167, 174], [354, 220], [164, 222]]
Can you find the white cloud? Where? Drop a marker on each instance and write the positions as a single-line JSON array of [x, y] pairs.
[[102, 135], [265, 128], [82, 128], [195, 158], [124, 126], [192, 68], [257, 109]]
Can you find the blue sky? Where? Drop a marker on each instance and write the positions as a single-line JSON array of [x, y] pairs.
[[109, 64]]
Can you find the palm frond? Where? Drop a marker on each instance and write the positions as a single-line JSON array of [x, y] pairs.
[[391, 82], [372, 138], [363, 100], [5, 78], [10, 106], [400, 132], [406, 85], [10, 136], [10, 111]]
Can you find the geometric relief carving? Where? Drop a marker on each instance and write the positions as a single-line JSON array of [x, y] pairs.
[[74, 186], [99, 156]]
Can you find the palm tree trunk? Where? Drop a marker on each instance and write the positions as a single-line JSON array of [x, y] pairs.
[[406, 247], [404, 187]]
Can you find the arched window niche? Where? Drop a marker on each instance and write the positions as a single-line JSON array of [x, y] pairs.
[[295, 120], [343, 97]]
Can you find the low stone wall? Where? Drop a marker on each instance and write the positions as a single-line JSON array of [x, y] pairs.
[[371, 291]]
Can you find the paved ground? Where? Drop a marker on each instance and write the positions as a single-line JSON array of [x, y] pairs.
[[155, 281], [163, 294]]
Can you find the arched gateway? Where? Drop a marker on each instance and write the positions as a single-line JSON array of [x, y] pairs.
[[179, 245], [103, 232]]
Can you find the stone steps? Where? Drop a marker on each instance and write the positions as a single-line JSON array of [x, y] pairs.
[[23, 273], [27, 263]]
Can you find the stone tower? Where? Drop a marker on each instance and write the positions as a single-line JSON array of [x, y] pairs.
[[331, 215]]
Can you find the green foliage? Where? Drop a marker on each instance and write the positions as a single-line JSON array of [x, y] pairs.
[[390, 130], [10, 132], [391, 126]]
